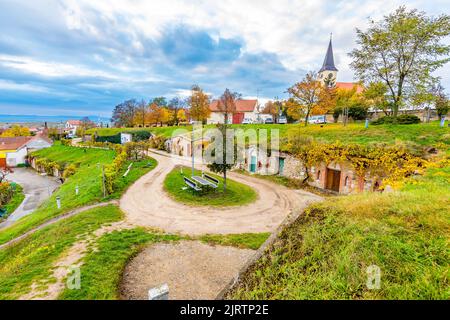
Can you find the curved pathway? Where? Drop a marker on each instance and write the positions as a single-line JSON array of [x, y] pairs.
[[147, 204], [56, 219], [37, 189]]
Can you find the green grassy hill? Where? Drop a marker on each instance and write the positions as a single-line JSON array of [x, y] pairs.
[[326, 252], [87, 177], [421, 134]]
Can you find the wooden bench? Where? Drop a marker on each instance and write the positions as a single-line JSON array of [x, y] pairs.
[[191, 184], [213, 181]]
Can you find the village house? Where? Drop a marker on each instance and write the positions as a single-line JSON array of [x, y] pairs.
[[14, 150], [245, 109], [71, 127]]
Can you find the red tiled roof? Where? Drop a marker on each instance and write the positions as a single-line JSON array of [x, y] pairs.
[[74, 122], [241, 105], [13, 143], [349, 86]]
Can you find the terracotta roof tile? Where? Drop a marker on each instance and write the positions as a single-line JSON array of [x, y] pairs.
[[349, 86], [13, 143], [241, 105]]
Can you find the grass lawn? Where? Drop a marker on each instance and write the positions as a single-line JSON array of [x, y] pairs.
[[235, 195], [163, 131], [326, 252], [102, 269], [243, 240], [15, 201], [32, 259], [87, 177], [422, 134]]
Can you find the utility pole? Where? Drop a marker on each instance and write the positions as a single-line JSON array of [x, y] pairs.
[[192, 150]]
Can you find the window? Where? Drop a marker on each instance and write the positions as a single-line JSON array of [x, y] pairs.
[[346, 182], [318, 175]]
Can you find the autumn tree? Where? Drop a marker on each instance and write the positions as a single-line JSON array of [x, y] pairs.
[[402, 50], [155, 114], [175, 105], [272, 108], [307, 95], [141, 113], [198, 104], [124, 114], [16, 131]]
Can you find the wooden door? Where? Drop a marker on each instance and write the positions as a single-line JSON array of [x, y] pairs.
[[333, 180], [253, 164], [2, 162], [238, 117]]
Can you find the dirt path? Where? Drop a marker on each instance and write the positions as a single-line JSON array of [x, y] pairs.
[[147, 204], [56, 219], [70, 258], [191, 269]]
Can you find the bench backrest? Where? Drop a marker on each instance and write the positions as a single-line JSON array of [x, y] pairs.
[[211, 178], [190, 182]]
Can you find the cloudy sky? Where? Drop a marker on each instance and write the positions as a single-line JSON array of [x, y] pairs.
[[67, 57]]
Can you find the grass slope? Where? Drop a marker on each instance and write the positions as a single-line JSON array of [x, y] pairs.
[[102, 269], [423, 134], [236, 193], [32, 259], [326, 252], [87, 177], [242, 240]]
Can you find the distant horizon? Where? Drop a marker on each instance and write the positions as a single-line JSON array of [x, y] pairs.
[[18, 118]]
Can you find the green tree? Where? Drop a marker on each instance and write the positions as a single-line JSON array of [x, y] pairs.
[[375, 94], [402, 50], [227, 106], [442, 105]]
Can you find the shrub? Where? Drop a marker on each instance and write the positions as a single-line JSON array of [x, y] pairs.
[[6, 193], [69, 171], [111, 139], [66, 142], [401, 119], [357, 112], [158, 142], [141, 135]]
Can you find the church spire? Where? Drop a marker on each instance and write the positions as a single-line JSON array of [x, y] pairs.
[[328, 63]]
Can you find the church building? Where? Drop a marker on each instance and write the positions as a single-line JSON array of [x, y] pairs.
[[328, 73]]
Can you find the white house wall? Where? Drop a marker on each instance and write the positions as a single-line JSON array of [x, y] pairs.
[[15, 158]]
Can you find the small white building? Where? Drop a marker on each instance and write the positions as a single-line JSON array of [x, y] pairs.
[[125, 137], [245, 109], [71, 127], [14, 150]]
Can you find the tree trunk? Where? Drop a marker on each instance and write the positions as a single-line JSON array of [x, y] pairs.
[[306, 118]]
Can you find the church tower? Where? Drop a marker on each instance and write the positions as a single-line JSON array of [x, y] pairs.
[[328, 73]]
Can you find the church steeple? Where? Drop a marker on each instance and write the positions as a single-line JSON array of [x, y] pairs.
[[328, 63], [328, 73]]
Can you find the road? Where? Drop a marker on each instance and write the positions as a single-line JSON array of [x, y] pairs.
[[36, 188]]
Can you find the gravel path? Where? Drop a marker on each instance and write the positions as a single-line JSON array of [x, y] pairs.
[[191, 269]]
